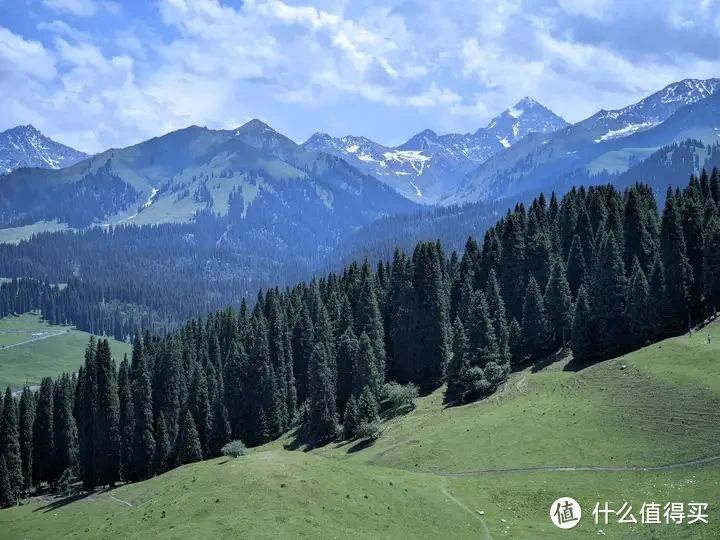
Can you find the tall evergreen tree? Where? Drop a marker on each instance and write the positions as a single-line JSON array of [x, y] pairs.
[[65, 429], [322, 409], [678, 273], [609, 299], [190, 446], [200, 409], [367, 407], [512, 264], [347, 354], [11, 446], [583, 331], [163, 446], [127, 420], [576, 266], [711, 263], [107, 447], [87, 396], [558, 303], [366, 372], [27, 422], [640, 307], [43, 435], [535, 327]]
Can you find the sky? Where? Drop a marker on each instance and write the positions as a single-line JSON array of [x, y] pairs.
[[98, 74]]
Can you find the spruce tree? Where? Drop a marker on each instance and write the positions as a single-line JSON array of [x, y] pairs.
[[11, 446], [368, 318], [458, 366], [27, 422], [107, 446], [534, 322], [65, 429], [190, 447], [558, 303], [366, 368], [6, 490], [512, 264], [87, 395], [143, 433], [367, 407], [496, 311], [220, 435], [199, 408], [302, 346], [350, 418], [640, 307], [609, 300], [234, 383], [127, 421], [583, 340], [163, 446], [43, 435], [576, 267], [347, 354], [322, 409], [711, 264], [678, 273]]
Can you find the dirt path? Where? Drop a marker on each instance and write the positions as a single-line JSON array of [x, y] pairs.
[[31, 340], [450, 496], [705, 461], [121, 501]]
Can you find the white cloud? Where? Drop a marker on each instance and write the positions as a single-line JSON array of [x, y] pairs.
[[25, 57], [81, 8]]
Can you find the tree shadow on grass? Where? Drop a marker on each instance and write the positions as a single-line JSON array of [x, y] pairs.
[[64, 501], [361, 445], [550, 359]]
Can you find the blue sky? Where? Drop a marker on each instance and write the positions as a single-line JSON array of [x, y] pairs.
[[95, 74]]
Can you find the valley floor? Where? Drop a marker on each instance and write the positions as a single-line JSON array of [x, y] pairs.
[[639, 429]]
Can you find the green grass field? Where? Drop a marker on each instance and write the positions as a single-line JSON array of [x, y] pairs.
[[28, 363], [427, 475]]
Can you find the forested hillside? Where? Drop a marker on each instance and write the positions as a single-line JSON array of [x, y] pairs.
[[601, 270]]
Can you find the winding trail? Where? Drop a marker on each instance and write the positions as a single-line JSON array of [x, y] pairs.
[[121, 501], [30, 340], [704, 461], [450, 496]]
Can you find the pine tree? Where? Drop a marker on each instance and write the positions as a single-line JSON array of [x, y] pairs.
[[583, 331], [458, 366], [163, 446], [11, 446], [558, 303], [107, 446], [199, 407], [368, 317], [711, 264], [576, 267], [65, 429], [144, 438], [190, 447], [27, 422], [347, 354], [677, 269], [43, 436], [127, 420], [640, 307], [302, 345], [512, 264], [167, 391], [6, 490], [350, 419], [638, 239], [87, 395], [535, 322], [220, 435], [366, 372], [429, 315], [609, 300], [367, 407], [322, 413], [496, 311]]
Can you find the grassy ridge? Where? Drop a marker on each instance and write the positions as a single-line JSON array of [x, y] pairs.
[[657, 406], [30, 362]]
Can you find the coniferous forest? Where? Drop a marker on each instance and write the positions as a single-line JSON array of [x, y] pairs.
[[600, 272]]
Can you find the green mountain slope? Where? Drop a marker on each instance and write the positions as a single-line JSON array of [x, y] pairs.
[[423, 477]]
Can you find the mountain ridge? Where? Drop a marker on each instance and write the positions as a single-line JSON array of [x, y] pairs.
[[26, 146]]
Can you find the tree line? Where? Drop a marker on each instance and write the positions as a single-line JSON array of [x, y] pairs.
[[602, 271]]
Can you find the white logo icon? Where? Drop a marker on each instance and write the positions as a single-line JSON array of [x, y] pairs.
[[565, 513]]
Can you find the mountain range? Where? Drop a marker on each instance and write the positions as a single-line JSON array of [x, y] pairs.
[[610, 141], [429, 165], [25, 146], [264, 181]]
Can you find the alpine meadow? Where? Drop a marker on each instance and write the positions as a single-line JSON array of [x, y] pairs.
[[274, 270]]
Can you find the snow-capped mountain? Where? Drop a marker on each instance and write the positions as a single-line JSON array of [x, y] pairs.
[[607, 141], [25, 146], [527, 116], [429, 164], [648, 112]]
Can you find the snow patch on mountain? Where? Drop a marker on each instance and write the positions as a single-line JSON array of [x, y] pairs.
[[625, 131], [25, 146]]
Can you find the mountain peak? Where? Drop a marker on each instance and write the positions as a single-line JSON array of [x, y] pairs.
[[526, 116], [254, 126], [26, 146], [422, 141]]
